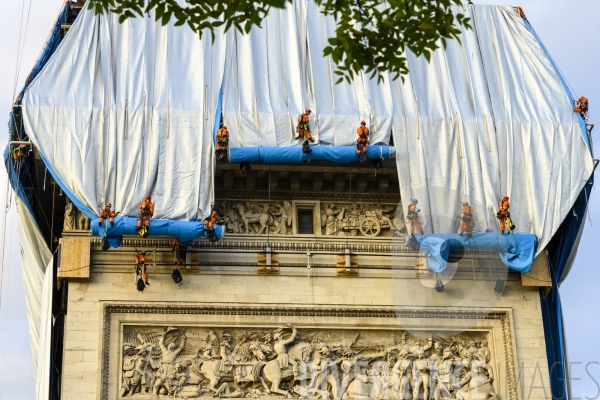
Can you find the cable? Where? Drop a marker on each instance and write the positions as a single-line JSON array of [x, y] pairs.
[[18, 51], [22, 50]]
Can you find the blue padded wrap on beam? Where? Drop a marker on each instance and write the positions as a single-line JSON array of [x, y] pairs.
[[186, 231], [516, 250], [337, 154]]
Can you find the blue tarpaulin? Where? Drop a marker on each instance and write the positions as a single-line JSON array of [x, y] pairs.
[[337, 154], [186, 231], [515, 250]]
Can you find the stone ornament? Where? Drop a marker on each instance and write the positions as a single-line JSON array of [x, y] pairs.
[[74, 219], [335, 219], [291, 362]]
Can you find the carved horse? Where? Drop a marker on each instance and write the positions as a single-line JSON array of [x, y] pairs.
[[249, 217], [250, 353]]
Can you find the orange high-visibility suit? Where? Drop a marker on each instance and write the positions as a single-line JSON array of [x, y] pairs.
[[107, 213], [413, 218], [18, 151], [467, 223], [363, 138], [222, 138], [503, 206], [146, 212], [582, 105], [140, 266], [211, 220], [303, 129]]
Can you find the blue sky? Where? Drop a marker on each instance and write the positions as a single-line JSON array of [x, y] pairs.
[[571, 33]]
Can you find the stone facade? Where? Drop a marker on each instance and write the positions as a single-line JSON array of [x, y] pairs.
[[305, 330]]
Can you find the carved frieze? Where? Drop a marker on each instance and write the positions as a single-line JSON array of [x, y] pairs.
[[75, 219], [333, 219], [236, 362]]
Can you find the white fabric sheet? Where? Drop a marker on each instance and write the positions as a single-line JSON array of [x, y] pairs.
[[481, 125], [42, 382], [125, 110], [35, 257]]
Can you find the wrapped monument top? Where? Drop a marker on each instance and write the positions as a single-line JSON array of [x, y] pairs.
[[122, 110], [125, 110]]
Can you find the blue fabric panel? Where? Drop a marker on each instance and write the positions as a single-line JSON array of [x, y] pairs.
[[564, 83], [337, 154], [559, 250], [516, 250], [14, 179], [186, 231]]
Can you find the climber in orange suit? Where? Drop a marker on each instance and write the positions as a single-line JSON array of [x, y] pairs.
[[107, 213], [582, 106], [467, 223], [146, 212], [413, 217], [363, 138], [141, 271], [303, 129], [503, 214], [178, 250], [211, 220], [222, 138]]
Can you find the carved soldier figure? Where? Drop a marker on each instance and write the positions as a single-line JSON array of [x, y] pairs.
[[483, 351], [129, 361], [445, 380], [477, 383], [227, 359], [421, 369], [401, 374], [69, 222], [167, 371], [280, 347]]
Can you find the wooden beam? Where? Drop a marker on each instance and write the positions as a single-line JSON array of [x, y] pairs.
[[539, 275]]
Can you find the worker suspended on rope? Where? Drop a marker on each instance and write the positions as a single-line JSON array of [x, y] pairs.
[[222, 142], [146, 212], [209, 225], [179, 251], [413, 217], [18, 151], [503, 215], [141, 271], [303, 130], [107, 213], [582, 106], [363, 139], [467, 221]]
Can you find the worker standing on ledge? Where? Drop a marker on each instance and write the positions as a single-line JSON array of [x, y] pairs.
[[467, 222]]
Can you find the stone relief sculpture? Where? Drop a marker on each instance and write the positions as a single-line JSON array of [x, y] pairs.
[[69, 221], [83, 222], [337, 364], [336, 219], [74, 219]]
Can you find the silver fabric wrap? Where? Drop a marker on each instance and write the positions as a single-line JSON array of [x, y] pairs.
[[476, 126], [125, 110]]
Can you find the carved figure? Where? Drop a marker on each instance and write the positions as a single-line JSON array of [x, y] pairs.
[[477, 383], [231, 217], [83, 222], [285, 217], [249, 217], [332, 219], [69, 222], [168, 374]]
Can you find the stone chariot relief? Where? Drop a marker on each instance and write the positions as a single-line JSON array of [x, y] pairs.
[[334, 218], [292, 362]]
